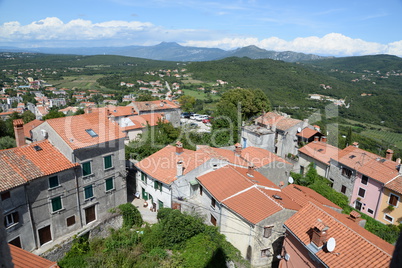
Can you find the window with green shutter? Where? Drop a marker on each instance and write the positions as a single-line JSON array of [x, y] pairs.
[[160, 204], [56, 204], [157, 185], [107, 161], [88, 192], [143, 177], [53, 182], [109, 184], [86, 168]]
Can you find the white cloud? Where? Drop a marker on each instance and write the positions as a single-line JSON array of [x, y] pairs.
[[331, 44], [79, 32]]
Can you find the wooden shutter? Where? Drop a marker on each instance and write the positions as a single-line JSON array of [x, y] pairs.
[[45, 235], [90, 214]]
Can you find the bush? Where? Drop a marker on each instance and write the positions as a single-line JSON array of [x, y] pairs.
[[131, 215]]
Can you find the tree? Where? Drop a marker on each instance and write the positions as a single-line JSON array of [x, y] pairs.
[[28, 116], [187, 103], [53, 114], [348, 140], [252, 101], [7, 142]]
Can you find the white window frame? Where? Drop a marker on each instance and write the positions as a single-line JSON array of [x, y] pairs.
[[385, 218], [51, 204], [111, 159], [389, 199], [114, 185], [92, 170], [359, 192], [93, 192], [8, 222]]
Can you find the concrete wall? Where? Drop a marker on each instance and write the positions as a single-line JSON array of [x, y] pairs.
[[276, 172], [23, 230], [252, 139], [335, 173], [305, 160]]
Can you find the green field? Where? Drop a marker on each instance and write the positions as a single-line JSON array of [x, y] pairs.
[[79, 82], [199, 94], [389, 137]]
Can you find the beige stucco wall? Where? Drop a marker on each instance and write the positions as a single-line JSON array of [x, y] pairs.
[[396, 214]]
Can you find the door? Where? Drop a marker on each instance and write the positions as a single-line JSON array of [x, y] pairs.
[[16, 242], [45, 235], [90, 215], [358, 206]]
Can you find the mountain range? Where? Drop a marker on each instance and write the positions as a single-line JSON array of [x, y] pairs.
[[171, 51]]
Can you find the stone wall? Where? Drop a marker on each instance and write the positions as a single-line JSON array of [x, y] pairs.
[[101, 229]]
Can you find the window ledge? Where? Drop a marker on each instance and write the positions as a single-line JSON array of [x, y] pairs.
[[54, 188], [110, 191], [58, 211], [12, 226], [107, 169]]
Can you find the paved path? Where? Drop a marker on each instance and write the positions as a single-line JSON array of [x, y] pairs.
[[146, 213]]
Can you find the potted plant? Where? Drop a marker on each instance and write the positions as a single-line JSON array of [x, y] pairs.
[[390, 207]]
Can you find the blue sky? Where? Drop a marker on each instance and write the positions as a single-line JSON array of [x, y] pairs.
[[338, 28]]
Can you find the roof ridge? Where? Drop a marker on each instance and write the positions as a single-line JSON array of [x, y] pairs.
[[270, 198], [240, 192], [373, 244]]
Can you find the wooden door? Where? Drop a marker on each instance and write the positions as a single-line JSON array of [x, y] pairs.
[[45, 235], [90, 214]]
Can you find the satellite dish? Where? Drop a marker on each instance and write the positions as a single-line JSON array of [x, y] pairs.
[[291, 180], [331, 244], [298, 129]]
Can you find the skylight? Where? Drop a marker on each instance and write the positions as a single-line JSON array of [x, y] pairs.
[[91, 133], [37, 148]]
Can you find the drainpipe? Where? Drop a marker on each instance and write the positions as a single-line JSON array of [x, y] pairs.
[[77, 189], [33, 227]]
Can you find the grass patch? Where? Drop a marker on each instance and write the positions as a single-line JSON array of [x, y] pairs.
[[199, 95], [392, 138], [79, 81]]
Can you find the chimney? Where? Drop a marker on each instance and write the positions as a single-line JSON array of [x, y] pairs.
[[316, 138], [179, 147], [179, 168], [19, 132], [324, 139], [398, 161], [250, 171], [356, 144], [354, 215], [238, 149], [388, 154], [319, 235], [88, 110]]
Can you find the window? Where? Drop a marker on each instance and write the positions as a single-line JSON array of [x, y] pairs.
[[346, 172], [90, 214], [332, 183], [343, 189], [88, 192], [56, 204], [91, 132], [158, 185], [200, 190], [11, 219], [45, 235], [370, 211], [358, 205], [213, 202], [109, 183], [160, 204], [107, 162], [388, 218], [268, 231], [301, 170], [362, 192], [144, 177], [265, 253], [53, 182], [16, 242], [364, 180], [393, 200], [70, 220], [144, 194], [213, 220], [86, 168], [5, 195]]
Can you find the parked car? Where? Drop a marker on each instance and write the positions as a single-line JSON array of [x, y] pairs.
[[194, 116], [185, 115], [202, 117], [206, 121]]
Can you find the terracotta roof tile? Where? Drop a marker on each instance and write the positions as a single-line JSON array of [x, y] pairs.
[[367, 163], [303, 195], [395, 184], [279, 121], [141, 121], [24, 259], [223, 154], [28, 162], [307, 133], [162, 165], [154, 105], [320, 151], [73, 129], [29, 126], [355, 246], [261, 157]]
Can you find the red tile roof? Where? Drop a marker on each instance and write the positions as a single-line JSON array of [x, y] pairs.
[[367, 163], [303, 195], [320, 151], [154, 105], [307, 133], [395, 184], [21, 164], [24, 259], [162, 165], [223, 154], [141, 121], [279, 121], [260, 157], [73, 129], [29, 126], [355, 246], [116, 111]]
